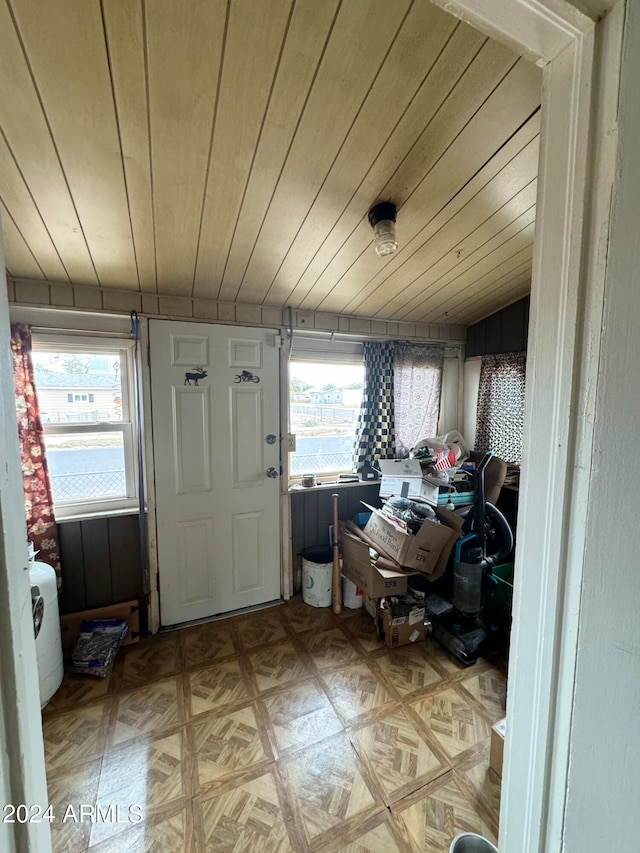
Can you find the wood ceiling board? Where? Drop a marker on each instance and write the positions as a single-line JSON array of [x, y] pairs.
[[500, 173], [362, 29], [508, 107], [254, 40], [484, 278], [26, 132], [184, 44], [512, 190], [18, 254], [401, 81], [514, 271], [451, 65], [306, 39], [26, 216], [495, 297], [124, 28], [438, 277], [66, 49], [511, 240]]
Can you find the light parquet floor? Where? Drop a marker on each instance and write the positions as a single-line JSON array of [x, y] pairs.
[[287, 729]]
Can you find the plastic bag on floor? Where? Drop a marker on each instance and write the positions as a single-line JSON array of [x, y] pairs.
[[95, 650]]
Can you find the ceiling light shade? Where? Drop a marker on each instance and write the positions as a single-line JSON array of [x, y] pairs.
[[382, 218]]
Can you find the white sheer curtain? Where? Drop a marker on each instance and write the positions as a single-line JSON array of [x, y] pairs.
[[417, 378]]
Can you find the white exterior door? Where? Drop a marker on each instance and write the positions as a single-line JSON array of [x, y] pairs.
[[216, 439]]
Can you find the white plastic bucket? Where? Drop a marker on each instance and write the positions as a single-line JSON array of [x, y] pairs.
[[469, 842], [351, 595], [317, 570]]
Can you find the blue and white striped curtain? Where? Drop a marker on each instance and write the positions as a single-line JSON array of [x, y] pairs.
[[375, 433]]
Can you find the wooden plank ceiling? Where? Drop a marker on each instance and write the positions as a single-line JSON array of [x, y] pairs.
[[232, 150]]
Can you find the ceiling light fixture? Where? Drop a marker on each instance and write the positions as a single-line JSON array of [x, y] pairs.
[[382, 218]]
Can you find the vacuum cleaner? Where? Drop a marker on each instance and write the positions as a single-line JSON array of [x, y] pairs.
[[458, 624]]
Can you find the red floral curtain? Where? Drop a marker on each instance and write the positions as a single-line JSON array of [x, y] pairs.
[[41, 523]]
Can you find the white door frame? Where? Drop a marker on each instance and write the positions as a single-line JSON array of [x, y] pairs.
[[575, 178], [563, 357], [22, 769]]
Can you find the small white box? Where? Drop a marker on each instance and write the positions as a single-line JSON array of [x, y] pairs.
[[397, 472]]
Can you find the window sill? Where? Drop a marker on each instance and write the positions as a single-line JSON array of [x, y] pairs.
[[295, 488], [104, 513]]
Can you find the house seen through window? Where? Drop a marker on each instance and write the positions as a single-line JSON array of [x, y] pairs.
[[84, 398], [324, 402]]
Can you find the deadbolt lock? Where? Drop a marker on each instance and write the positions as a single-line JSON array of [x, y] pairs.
[[272, 473], [271, 438]]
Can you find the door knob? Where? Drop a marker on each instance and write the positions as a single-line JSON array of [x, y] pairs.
[[272, 473]]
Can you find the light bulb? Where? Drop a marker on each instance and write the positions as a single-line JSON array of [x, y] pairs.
[[382, 218], [385, 237]]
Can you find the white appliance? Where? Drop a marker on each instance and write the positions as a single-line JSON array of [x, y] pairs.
[[44, 594]]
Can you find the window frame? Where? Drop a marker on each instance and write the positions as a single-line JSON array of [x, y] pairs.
[[318, 357], [70, 343]]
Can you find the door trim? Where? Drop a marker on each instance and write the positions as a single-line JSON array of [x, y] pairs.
[[563, 355]]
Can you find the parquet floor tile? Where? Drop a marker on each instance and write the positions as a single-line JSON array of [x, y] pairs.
[[278, 666], [257, 630], [303, 618], [147, 710], [75, 736], [355, 690], [145, 662], [248, 817], [161, 777], [217, 686], [301, 716], [490, 689], [327, 788], [329, 648], [452, 721], [227, 744], [396, 755], [285, 729], [437, 817], [76, 690], [169, 832], [72, 788], [486, 785], [408, 670], [205, 644]]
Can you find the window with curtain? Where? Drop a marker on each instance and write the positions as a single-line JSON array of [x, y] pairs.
[[417, 380], [85, 390], [500, 415]]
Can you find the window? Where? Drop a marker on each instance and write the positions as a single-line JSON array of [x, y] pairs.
[[324, 402], [85, 392]]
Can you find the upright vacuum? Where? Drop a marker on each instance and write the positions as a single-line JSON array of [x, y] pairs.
[[458, 623]]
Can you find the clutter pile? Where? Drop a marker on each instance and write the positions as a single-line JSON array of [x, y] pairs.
[[412, 534]]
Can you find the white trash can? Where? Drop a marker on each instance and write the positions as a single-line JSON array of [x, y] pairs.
[[317, 571], [469, 842]]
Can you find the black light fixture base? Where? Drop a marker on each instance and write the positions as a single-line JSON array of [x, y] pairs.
[[383, 210]]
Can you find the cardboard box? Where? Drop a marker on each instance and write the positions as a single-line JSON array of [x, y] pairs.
[[370, 605], [128, 610], [428, 551], [401, 630], [399, 472], [496, 753], [357, 567]]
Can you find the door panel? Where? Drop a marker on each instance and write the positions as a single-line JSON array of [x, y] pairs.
[[215, 399], [191, 440], [247, 436]]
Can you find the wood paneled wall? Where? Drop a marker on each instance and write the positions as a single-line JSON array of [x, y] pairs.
[[504, 331], [101, 562], [312, 514]]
